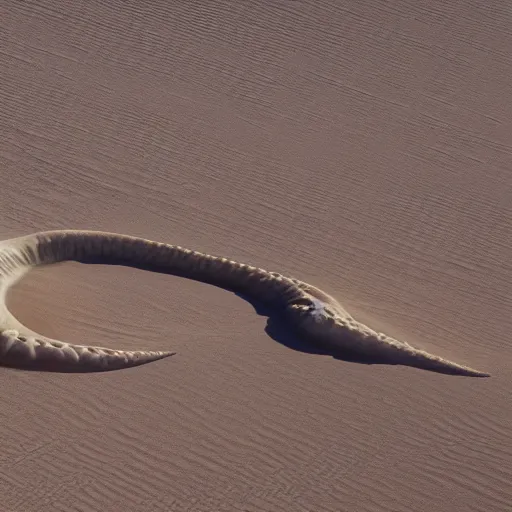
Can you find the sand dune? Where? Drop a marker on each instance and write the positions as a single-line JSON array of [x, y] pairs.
[[363, 147]]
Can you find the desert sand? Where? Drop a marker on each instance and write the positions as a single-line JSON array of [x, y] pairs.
[[363, 147]]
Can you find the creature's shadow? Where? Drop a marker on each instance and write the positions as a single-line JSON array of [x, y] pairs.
[[276, 328], [279, 331]]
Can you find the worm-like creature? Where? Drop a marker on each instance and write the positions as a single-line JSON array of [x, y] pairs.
[[310, 312]]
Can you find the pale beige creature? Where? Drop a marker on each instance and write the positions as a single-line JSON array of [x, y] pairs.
[[311, 313]]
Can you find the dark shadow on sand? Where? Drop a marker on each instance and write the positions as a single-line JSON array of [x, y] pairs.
[[279, 331]]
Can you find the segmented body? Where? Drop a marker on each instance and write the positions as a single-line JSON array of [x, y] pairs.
[[310, 312]]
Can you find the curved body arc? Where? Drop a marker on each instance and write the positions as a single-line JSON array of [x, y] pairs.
[[310, 312]]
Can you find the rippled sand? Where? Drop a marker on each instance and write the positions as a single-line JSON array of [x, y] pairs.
[[363, 147]]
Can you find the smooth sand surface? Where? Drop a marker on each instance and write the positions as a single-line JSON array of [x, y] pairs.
[[364, 147]]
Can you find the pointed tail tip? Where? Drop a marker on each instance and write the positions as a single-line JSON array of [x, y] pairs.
[[450, 368], [476, 373], [141, 357], [29, 353], [155, 356], [426, 361]]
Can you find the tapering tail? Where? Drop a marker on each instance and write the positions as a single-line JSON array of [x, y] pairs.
[[31, 353], [425, 361]]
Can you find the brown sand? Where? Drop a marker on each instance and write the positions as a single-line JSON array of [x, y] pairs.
[[364, 147]]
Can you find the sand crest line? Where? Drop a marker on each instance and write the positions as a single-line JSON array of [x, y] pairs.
[[311, 313]]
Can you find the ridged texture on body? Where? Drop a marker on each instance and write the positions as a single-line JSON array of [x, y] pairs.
[[312, 313]]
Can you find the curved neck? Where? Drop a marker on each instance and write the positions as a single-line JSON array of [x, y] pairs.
[[113, 249]]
